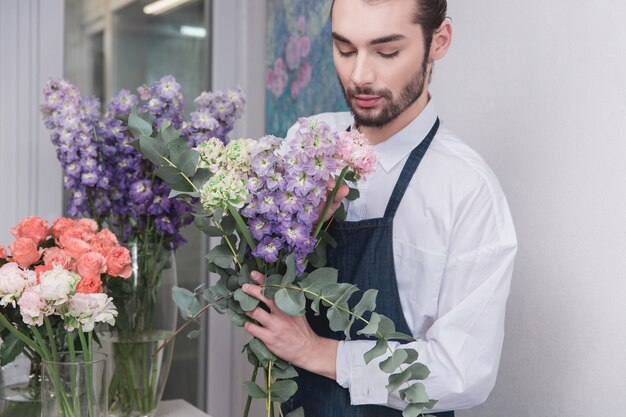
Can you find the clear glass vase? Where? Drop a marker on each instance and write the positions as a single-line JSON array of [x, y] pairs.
[[75, 385], [20, 388], [147, 318]]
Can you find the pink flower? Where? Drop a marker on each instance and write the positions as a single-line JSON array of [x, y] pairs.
[[292, 52], [59, 225], [77, 231], [103, 242], [295, 89], [91, 264], [57, 256], [88, 225], [119, 262], [32, 227], [3, 252], [277, 78], [89, 285], [301, 23], [304, 75], [25, 252], [33, 307], [305, 46], [13, 281], [356, 151], [74, 247]]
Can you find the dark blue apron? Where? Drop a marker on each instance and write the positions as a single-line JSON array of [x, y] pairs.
[[363, 256]]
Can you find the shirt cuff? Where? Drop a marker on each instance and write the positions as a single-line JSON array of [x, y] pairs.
[[367, 383]]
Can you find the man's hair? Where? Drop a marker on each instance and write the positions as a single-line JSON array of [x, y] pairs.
[[429, 14]]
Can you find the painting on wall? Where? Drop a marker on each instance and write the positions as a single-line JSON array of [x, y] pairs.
[[300, 76]]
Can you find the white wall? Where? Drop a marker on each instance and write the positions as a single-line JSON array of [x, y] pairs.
[[539, 89], [31, 50]]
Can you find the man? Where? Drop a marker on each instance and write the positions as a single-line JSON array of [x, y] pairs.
[[432, 230]]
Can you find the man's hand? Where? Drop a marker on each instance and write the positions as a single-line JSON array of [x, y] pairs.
[[290, 337], [342, 192]]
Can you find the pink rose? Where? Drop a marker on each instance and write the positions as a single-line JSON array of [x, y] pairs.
[[91, 264], [103, 242], [88, 224], [89, 285], [57, 256], [3, 252], [119, 262], [24, 252], [74, 247], [59, 225], [77, 231], [32, 227], [39, 269]]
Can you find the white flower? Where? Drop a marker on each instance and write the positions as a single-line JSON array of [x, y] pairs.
[[85, 310], [33, 307], [222, 190], [58, 285], [238, 154], [13, 281], [211, 154]]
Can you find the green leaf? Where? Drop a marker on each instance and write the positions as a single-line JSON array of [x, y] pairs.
[[413, 410], [244, 275], [378, 350], [287, 373], [353, 194], [328, 239], [367, 302], [261, 352], [269, 290], [386, 326], [168, 132], [338, 320], [254, 390], [188, 162], [350, 176], [154, 151], [290, 275], [411, 355], [201, 176], [176, 148], [341, 214], [175, 193], [392, 363], [400, 336], [418, 371], [221, 256], [228, 224], [138, 127], [169, 174], [415, 394], [205, 226], [298, 412], [318, 256], [186, 302], [246, 302], [338, 293], [10, 349], [182, 185], [283, 390], [319, 279], [290, 301], [237, 319], [396, 380], [194, 334]]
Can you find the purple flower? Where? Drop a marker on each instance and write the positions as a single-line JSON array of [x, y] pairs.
[[140, 191], [295, 234], [259, 227], [268, 249]]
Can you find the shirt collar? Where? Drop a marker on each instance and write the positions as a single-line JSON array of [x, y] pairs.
[[398, 146]]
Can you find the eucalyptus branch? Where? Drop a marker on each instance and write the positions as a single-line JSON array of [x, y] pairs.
[[184, 326], [182, 174], [249, 399]]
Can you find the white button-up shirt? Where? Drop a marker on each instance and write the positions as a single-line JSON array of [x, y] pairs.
[[454, 248]]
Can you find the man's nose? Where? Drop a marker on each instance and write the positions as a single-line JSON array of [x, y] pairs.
[[362, 73]]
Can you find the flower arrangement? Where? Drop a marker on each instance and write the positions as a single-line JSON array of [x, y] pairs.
[[51, 289], [265, 199], [109, 180]]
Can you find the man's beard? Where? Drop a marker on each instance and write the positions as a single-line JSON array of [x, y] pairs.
[[409, 94]]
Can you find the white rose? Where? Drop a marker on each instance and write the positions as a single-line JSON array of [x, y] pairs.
[[13, 281], [57, 285], [33, 307], [85, 310]]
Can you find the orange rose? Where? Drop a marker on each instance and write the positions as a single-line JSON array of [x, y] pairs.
[[32, 227], [78, 232], [118, 262], [103, 242], [42, 268], [89, 285], [91, 264], [73, 246], [3, 252], [88, 224], [59, 225], [57, 256], [24, 252]]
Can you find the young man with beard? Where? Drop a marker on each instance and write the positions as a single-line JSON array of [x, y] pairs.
[[431, 230]]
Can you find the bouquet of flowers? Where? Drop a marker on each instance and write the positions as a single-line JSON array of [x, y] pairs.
[[263, 198], [51, 290], [110, 181]]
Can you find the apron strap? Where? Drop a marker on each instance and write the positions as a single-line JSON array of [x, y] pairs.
[[407, 172]]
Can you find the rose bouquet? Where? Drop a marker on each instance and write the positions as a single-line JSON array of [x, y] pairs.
[[110, 181], [51, 292], [265, 199]]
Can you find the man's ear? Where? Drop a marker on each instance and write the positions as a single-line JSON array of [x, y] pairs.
[[442, 38]]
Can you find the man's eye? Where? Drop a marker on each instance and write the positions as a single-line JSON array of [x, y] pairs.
[[346, 53], [389, 55]]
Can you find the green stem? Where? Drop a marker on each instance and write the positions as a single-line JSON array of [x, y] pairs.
[[245, 232], [330, 200], [51, 338], [88, 371], [181, 174], [249, 399], [20, 335], [72, 352]]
